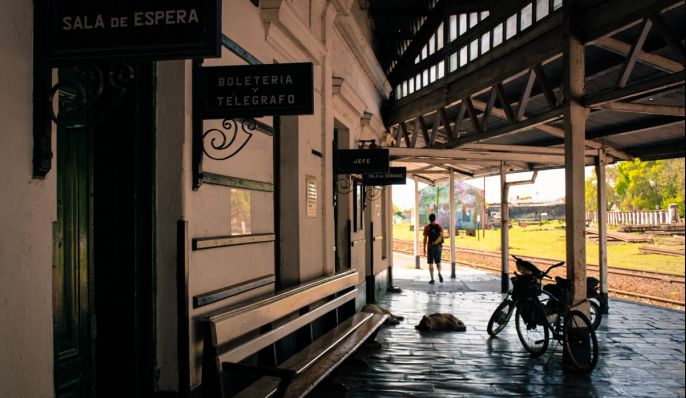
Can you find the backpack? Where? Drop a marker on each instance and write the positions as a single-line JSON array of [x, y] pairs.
[[435, 235]]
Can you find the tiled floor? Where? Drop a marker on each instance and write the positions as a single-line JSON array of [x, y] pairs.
[[641, 349]]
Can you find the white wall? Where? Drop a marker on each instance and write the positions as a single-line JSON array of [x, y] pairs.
[[26, 217]]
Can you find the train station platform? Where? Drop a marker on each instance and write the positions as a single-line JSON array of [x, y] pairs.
[[641, 349]]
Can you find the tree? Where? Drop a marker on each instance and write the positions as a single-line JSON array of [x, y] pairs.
[[591, 184], [650, 185]]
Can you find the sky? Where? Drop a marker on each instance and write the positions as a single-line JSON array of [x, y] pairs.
[[549, 185]]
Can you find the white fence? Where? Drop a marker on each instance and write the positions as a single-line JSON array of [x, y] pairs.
[[654, 217]]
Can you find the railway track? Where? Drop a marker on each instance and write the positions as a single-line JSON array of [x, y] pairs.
[[624, 283]]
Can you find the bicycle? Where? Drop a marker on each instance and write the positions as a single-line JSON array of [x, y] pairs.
[[503, 313], [539, 321]]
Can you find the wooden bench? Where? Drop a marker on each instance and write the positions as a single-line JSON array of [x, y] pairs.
[[284, 344]]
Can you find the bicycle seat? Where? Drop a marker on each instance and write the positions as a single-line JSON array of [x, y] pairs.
[[562, 282], [528, 268]]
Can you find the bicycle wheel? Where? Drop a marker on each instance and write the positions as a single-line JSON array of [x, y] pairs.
[[500, 317], [580, 341], [596, 314], [532, 327]]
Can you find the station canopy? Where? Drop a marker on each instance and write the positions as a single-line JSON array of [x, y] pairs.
[[479, 84]]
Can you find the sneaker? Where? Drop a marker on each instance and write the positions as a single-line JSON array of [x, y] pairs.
[[432, 281], [440, 277]]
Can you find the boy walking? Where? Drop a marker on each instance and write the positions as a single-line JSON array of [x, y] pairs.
[[433, 246]]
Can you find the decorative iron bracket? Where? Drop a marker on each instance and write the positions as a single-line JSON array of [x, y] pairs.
[[217, 145], [68, 103], [373, 192], [344, 184]]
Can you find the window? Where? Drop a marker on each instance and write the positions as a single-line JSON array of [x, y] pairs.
[[398, 92], [416, 60], [474, 50], [485, 42], [404, 88], [484, 15], [557, 4], [464, 55], [358, 206], [463, 23], [240, 212], [439, 37], [541, 9], [452, 64], [424, 52], [441, 69], [498, 35], [411, 85], [418, 81], [432, 44], [452, 34], [511, 26], [473, 19], [527, 16], [432, 74], [425, 78]]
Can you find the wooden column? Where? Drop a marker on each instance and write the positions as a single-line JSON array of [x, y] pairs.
[[504, 231], [452, 224], [602, 226], [575, 135], [417, 255]]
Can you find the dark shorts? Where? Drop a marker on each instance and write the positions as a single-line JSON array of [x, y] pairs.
[[434, 254]]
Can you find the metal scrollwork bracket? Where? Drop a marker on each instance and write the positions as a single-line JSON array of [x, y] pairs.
[[95, 89], [373, 192], [82, 101], [344, 184], [222, 144]]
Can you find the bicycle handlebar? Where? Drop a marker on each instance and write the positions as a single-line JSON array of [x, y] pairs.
[[528, 264], [553, 266]]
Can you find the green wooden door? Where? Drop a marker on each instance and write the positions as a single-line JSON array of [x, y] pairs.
[[103, 283], [74, 327]]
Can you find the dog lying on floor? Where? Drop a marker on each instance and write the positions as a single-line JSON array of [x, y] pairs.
[[441, 322], [375, 309]]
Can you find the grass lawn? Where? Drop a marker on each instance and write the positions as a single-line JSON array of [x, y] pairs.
[[548, 241]]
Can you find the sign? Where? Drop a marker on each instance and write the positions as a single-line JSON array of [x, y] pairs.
[[75, 30], [394, 176], [349, 161], [256, 90]]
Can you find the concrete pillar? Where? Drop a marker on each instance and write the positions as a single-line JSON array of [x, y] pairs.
[[417, 256], [504, 232], [452, 224], [575, 116], [602, 227]]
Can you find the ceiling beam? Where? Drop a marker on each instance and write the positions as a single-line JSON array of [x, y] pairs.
[[438, 14], [505, 63], [656, 61], [559, 133], [445, 155], [399, 11], [673, 150], [640, 88], [608, 17], [651, 109], [634, 128]]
